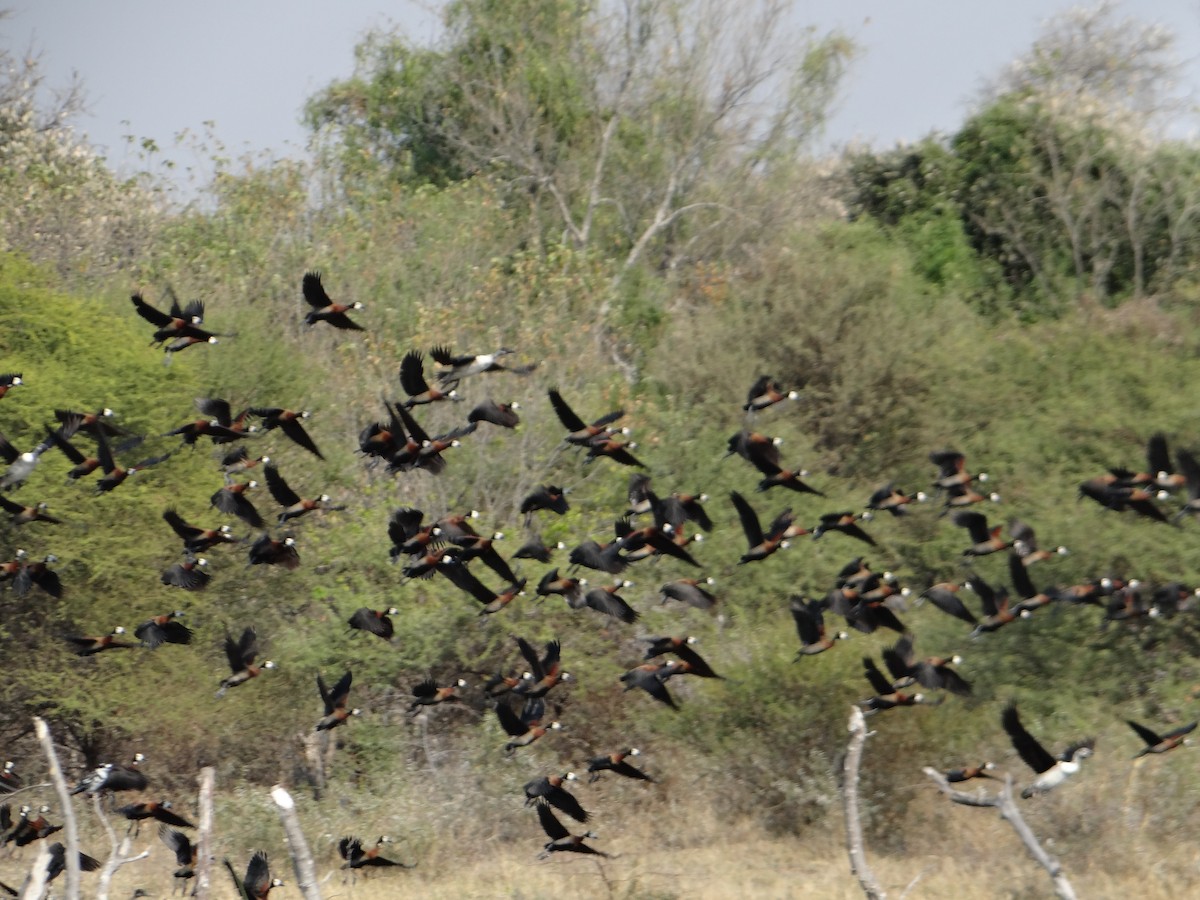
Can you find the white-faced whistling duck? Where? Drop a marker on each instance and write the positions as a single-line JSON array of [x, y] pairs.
[[111, 777], [1050, 771], [429, 693], [537, 549], [776, 476], [412, 380], [9, 780], [58, 862], [549, 789], [83, 465], [407, 534], [191, 432], [463, 365], [952, 471], [616, 762], [984, 540], [31, 574], [293, 504], [258, 881], [893, 500], [436, 560], [570, 588], [578, 431], [1119, 498], [1126, 604], [183, 343], [190, 574], [760, 546], [604, 599], [997, 611], [944, 596], [186, 854], [681, 647], [649, 677], [290, 422], [239, 460], [549, 497], [196, 539], [114, 474], [475, 546], [357, 856], [1025, 544], [164, 629], [810, 626], [690, 591], [1160, 743], [334, 699], [1190, 468], [422, 451], [323, 309], [382, 441], [10, 380], [544, 672], [232, 500], [375, 621], [1173, 598], [600, 557], [692, 507], [91, 422], [1031, 598], [503, 415], [560, 836], [966, 773], [611, 448], [886, 696], [178, 323], [21, 465], [933, 672], [766, 391], [846, 523], [641, 498], [867, 605], [160, 811], [650, 540], [241, 654], [26, 830], [221, 411], [90, 646], [757, 449], [499, 684], [526, 727], [493, 601], [23, 515], [1163, 475]]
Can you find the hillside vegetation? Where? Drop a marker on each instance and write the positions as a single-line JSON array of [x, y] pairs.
[[630, 205]]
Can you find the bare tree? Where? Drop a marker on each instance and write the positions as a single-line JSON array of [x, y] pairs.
[[854, 834]]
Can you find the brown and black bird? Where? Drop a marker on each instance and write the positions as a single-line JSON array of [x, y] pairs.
[[293, 504], [374, 621], [502, 414], [765, 392], [90, 646], [186, 853], [545, 672], [20, 514], [525, 727], [232, 500], [550, 789], [560, 836], [196, 539], [322, 306], [650, 678], [335, 699], [430, 693], [810, 626], [578, 431], [290, 422], [114, 474], [933, 672], [257, 883], [357, 856], [412, 380], [617, 762], [163, 629], [160, 811], [191, 573], [241, 654], [1160, 743], [269, 551], [179, 322]]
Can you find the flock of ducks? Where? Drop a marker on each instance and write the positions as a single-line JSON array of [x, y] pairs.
[[653, 525]]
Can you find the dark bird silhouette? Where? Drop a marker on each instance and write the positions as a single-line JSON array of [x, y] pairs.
[[290, 422], [578, 431], [1121, 498], [357, 856], [463, 365], [891, 499], [115, 475], [23, 515], [604, 599], [160, 811], [681, 647], [1050, 771], [186, 853], [616, 762], [886, 696], [997, 611], [765, 392], [196, 539], [408, 535], [775, 476], [429, 693], [601, 557], [1025, 544], [525, 727], [1160, 743], [572, 589], [692, 591], [293, 504], [649, 677], [177, 324], [1190, 469], [757, 449], [933, 672], [257, 883], [90, 646], [57, 863], [560, 836], [239, 460], [323, 308], [112, 777], [945, 597], [374, 621], [474, 546], [502, 414], [27, 574], [611, 448], [91, 422], [760, 545], [493, 601], [191, 574], [549, 497], [241, 654], [549, 789], [537, 549], [269, 551], [845, 523], [232, 500], [164, 629], [952, 470], [984, 540], [412, 380], [810, 626], [335, 699], [544, 673]]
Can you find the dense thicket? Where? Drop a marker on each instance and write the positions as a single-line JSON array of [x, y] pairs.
[[647, 227]]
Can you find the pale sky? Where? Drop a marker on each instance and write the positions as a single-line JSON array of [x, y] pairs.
[[154, 68]]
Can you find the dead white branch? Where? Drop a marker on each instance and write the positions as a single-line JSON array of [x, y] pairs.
[[854, 836], [302, 861]]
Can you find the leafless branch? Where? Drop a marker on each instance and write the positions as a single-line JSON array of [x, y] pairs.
[[119, 854], [854, 835], [302, 861], [70, 827]]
